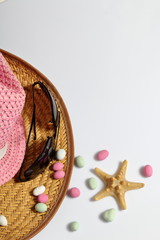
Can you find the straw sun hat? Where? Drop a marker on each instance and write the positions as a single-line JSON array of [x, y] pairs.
[[17, 202]]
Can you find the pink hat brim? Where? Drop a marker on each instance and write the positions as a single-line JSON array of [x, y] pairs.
[[12, 160]]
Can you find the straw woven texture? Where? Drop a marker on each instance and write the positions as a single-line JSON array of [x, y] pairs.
[[16, 199]]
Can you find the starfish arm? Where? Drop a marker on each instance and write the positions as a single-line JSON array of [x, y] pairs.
[[121, 200], [133, 185], [102, 194], [102, 174], [122, 170]]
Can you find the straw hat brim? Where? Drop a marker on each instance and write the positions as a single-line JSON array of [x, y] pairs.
[[17, 202]]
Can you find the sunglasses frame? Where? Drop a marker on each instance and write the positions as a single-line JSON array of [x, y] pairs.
[[49, 150]]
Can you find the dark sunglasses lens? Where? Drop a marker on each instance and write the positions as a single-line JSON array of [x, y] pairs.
[[41, 162], [36, 168]]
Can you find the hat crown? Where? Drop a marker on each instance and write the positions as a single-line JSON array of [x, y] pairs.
[[12, 98]]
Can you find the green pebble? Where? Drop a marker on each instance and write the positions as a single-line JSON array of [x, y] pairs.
[[41, 207], [109, 215], [79, 161], [92, 183], [74, 226]]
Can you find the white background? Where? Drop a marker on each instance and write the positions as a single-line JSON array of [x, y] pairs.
[[103, 56]]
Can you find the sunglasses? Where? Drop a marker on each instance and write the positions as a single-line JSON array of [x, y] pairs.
[[49, 150]]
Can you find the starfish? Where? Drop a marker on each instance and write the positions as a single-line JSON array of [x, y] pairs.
[[116, 185]]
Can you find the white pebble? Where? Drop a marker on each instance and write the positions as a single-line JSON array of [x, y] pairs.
[[39, 190], [61, 153], [3, 221]]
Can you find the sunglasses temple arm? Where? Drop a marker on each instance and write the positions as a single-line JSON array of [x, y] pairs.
[[33, 124], [52, 101], [55, 136]]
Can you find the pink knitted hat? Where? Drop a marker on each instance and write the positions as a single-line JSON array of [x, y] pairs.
[[12, 132]]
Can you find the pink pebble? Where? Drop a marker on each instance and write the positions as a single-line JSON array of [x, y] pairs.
[[58, 174], [74, 192], [57, 166], [42, 198], [102, 155], [147, 171]]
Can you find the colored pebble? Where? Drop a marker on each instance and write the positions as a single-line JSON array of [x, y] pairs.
[[74, 192], [74, 226], [79, 161], [57, 166], [39, 190], [102, 155], [60, 154], [42, 198], [92, 183], [58, 174], [41, 207], [3, 221], [147, 171], [109, 215]]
